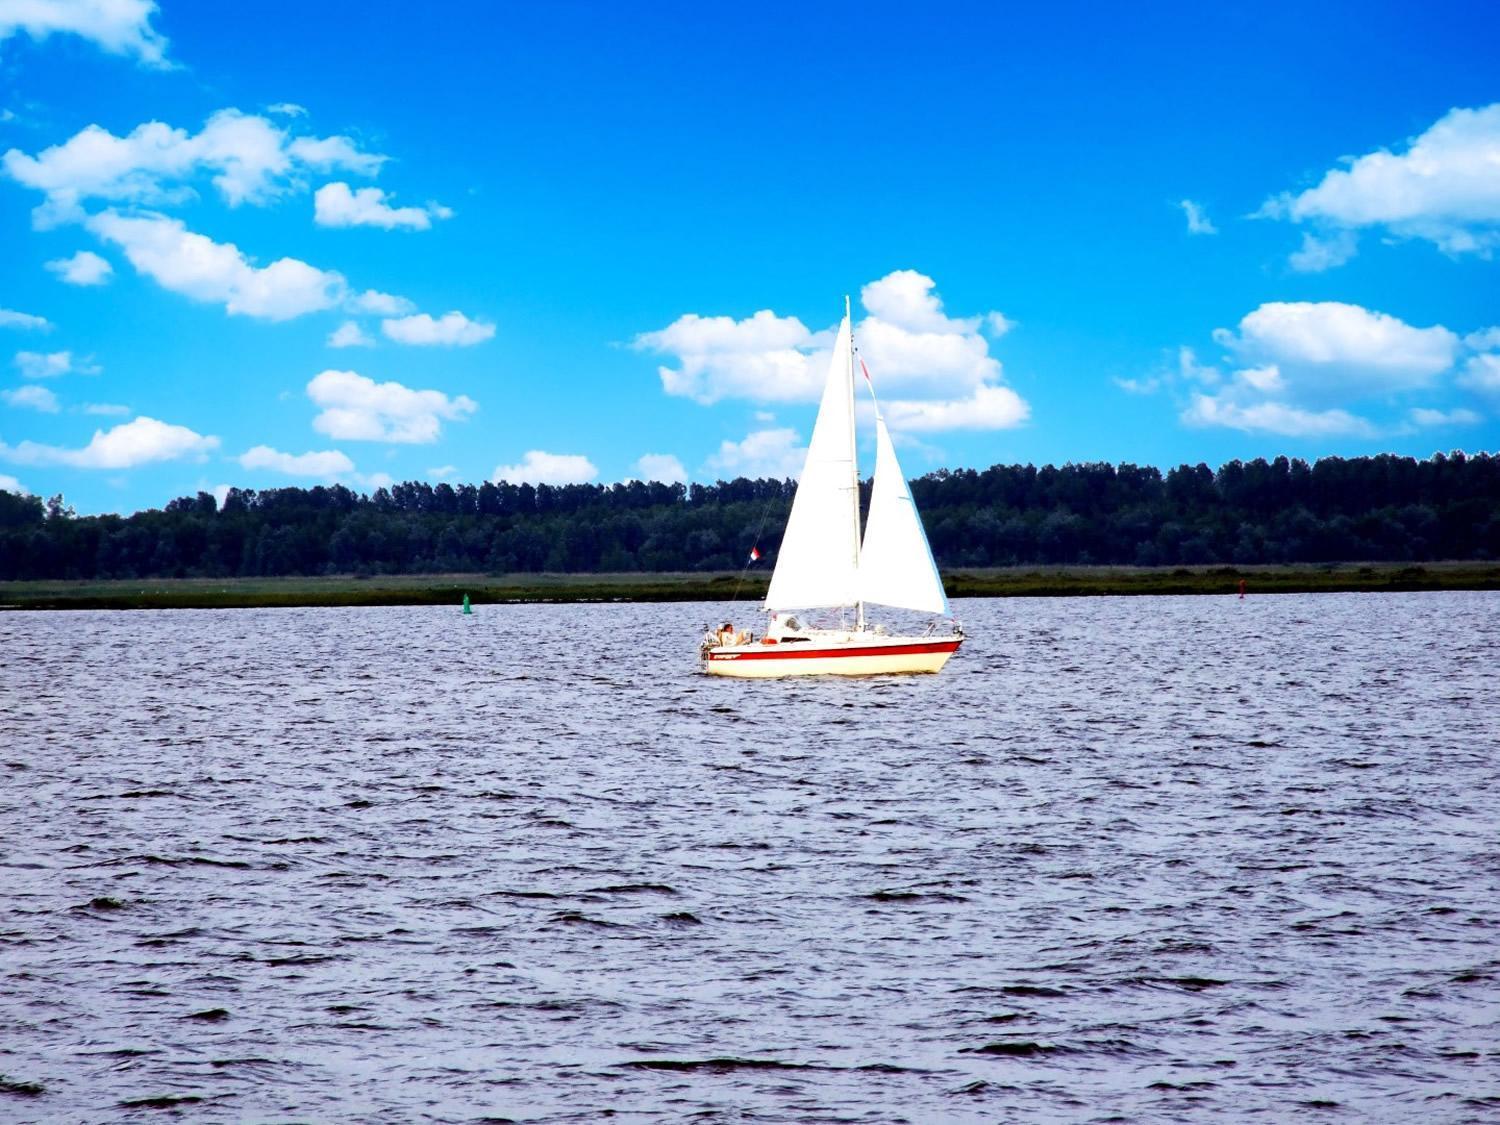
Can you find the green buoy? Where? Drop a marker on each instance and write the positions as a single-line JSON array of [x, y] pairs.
[[467, 608]]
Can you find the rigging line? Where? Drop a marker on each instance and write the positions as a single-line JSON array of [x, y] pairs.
[[869, 382], [765, 512]]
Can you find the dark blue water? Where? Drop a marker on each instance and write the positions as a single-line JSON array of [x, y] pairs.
[[1145, 858]]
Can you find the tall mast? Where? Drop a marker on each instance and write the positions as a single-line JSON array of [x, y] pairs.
[[859, 605]]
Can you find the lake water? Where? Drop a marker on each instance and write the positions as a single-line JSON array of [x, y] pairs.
[[1125, 858]]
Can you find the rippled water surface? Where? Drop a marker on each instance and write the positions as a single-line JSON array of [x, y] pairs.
[[1125, 858]]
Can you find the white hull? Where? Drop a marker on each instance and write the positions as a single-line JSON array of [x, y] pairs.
[[866, 656]]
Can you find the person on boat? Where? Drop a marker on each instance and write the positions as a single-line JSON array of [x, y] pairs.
[[726, 634]]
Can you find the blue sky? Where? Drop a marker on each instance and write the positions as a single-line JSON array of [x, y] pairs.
[[273, 244]]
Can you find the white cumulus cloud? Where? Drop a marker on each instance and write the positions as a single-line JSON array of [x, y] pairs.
[[540, 467], [375, 480], [32, 397], [43, 365], [663, 467], [909, 300], [138, 442], [988, 408], [376, 303], [1297, 368], [451, 330], [997, 324], [1274, 418], [927, 361], [1482, 373], [775, 453], [1267, 379], [9, 483], [764, 357], [356, 408], [49, 365], [349, 335], [1444, 188], [1340, 348], [83, 268], [120, 27], [1198, 221], [329, 153], [1324, 252], [10, 318], [195, 266], [1486, 339], [326, 463], [249, 158], [337, 205], [915, 350], [1427, 418]]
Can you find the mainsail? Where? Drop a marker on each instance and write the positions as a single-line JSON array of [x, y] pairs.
[[818, 564]]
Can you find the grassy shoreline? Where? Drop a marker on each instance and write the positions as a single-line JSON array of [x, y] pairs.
[[448, 589]]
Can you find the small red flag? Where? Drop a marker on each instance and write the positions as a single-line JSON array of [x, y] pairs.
[[754, 553], [866, 370]]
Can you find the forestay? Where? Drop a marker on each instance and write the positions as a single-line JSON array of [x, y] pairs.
[[818, 564]]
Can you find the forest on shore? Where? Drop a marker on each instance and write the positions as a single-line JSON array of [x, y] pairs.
[[1382, 508]]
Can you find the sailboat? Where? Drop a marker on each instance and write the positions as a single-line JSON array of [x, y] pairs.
[[826, 565]]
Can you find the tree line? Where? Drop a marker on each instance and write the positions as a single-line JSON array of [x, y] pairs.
[[1382, 508]]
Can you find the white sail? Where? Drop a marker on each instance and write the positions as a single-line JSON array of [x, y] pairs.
[[818, 564], [896, 567]]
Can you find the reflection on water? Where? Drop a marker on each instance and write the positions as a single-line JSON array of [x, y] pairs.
[[1146, 857]]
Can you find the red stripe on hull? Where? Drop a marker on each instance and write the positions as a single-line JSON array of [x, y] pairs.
[[807, 652]]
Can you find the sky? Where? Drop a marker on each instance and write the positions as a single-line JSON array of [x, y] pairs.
[[290, 244]]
